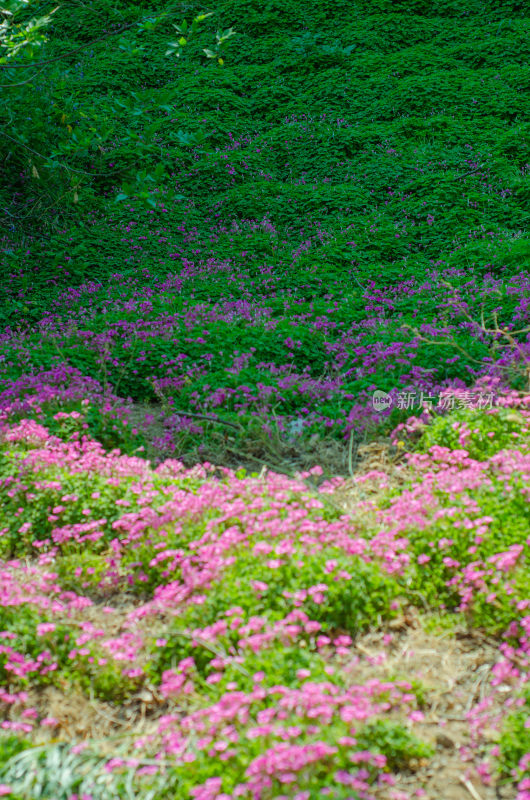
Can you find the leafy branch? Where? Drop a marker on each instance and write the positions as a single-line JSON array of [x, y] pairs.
[[85, 136], [493, 331]]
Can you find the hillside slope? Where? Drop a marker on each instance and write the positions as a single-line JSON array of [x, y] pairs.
[[189, 607], [354, 220]]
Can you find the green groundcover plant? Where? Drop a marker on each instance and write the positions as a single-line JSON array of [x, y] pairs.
[[239, 236]]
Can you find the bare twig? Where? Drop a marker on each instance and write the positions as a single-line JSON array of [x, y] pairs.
[[350, 455], [207, 417], [266, 464], [471, 172], [71, 52], [109, 717], [47, 158], [21, 83], [469, 786], [443, 343], [496, 332]]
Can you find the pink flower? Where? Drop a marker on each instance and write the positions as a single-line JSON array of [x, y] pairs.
[[45, 627], [49, 722], [303, 673]]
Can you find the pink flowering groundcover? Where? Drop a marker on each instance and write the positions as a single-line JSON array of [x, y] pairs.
[[173, 632]]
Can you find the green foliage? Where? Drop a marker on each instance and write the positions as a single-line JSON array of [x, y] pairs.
[[55, 772], [514, 742], [451, 539], [19, 35], [351, 605], [61, 156], [23, 621], [10, 746], [395, 135], [482, 432], [92, 672], [346, 604], [44, 491], [395, 742]]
